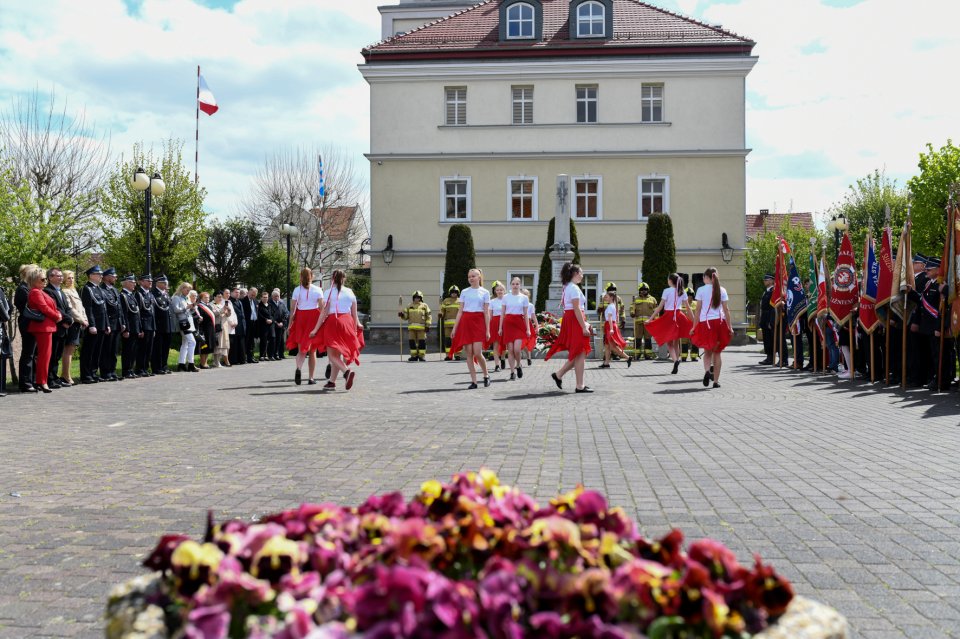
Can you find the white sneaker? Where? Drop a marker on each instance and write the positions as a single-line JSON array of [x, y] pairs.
[[844, 375]]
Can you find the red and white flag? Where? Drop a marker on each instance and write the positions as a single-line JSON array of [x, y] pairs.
[[208, 103], [845, 294]]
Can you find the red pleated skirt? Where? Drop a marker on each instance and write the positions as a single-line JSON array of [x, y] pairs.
[[340, 332], [670, 326], [531, 342], [299, 336], [570, 339], [712, 335], [471, 329], [514, 328], [494, 331], [611, 334]]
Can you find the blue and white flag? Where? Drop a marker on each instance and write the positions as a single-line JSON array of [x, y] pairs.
[[796, 295], [322, 187]]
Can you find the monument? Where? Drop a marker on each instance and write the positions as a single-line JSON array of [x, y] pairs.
[[562, 250]]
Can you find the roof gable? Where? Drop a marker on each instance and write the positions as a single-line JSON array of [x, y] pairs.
[[758, 224]]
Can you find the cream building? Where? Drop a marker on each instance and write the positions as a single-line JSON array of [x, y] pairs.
[[475, 115]]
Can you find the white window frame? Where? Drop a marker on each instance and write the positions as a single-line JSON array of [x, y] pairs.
[[587, 101], [596, 299], [522, 21], [592, 19], [573, 197], [666, 193], [535, 210], [651, 101], [525, 271], [526, 105], [459, 106], [443, 199]]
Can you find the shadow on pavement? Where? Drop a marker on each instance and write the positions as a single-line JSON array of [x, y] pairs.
[[527, 396], [425, 391], [681, 391]]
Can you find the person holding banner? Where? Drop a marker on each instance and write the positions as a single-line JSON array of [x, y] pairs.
[[711, 326]]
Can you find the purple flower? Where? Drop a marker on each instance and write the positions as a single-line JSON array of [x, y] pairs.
[[207, 622]]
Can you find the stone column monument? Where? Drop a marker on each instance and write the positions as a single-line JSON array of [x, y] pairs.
[[562, 249]]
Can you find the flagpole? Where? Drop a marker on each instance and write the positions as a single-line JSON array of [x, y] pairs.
[[903, 343], [873, 376], [196, 151], [947, 248], [886, 347]]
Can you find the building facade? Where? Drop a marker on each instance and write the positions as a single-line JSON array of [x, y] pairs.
[[475, 115]]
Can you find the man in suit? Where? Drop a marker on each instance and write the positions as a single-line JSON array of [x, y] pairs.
[[280, 315], [148, 325], [166, 326], [115, 327], [132, 330], [767, 319], [52, 289], [265, 327], [96, 308], [252, 319], [28, 343], [238, 349]]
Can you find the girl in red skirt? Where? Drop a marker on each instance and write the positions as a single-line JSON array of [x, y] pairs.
[[471, 330], [530, 344], [711, 326], [306, 302], [575, 331], [675, 321], [338, 324], [495, 343], [613, 341], [515, 329]]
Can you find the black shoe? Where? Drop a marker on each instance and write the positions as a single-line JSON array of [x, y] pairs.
[[585, 389], [191, 367], [421, 359], [496, 369], [64, 383], [716, 384], [413, 358], [520, 372], [711, 373], [311, 382], [604, 366], [629, 361], [472, 386], [326, 373], [676, 367], [181, 368], [529, 362], [558, 381], [706, 379], [129, 376], [513, 376], [29, 388], [296, 377], [766, 362], [348, 379], [88, 380], [486, 382], [53, 385], [45, 389]]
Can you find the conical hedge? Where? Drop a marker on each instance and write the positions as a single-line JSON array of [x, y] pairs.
[[659, 252], [460, 258]]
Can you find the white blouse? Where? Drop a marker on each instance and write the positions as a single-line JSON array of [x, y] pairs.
[[308, 298], [670, 300], [610, 313], [496, 307], [704, 294], [343, 300], [515, 304], [570, 293], [532, 311], [472, 300]]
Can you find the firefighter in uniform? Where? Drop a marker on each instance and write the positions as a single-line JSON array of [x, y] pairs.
[[447, 317], [686, 347], [417, 315], [165, 325], [642, 312], [147, 325], [132, 330], [96, 309], [108, 351]]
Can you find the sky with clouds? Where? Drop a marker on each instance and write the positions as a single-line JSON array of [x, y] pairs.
[[842, 86]]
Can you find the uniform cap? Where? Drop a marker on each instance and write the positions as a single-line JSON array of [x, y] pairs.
[[162, 278], [768, 276], [418, 294], [145, 276], [453, 289], [129, 277], [933, 262], [919, 258], [94, 270], [110, 271]]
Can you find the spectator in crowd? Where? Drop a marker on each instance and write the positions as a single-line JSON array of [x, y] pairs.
[[252, 320], [280, 316], [54, 290], [238, 352], [42, 330], [28, 345], [227, 325], [80, 323], [265, 327], [207, 328], [183, 309], [5, 351]]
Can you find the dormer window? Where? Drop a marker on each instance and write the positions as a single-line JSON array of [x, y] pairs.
[[591, 20], [520, 21]]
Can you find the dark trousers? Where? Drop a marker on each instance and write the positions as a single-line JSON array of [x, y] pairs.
[[59, 339], [249, 340], [266, 342], [238, 349], [946, 363], [276, 342], [3, 374], [28, 355], [90, 354], [768, 342], [108, 354], [160, 352], [128, 356], [797, 341], [144, 350]]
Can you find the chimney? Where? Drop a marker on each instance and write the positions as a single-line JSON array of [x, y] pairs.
[[764, 212]]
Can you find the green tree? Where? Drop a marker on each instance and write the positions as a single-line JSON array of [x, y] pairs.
[[268, 269], [460, 257], [546, 264], [864, 207], [659, 252], [761, 254], [178, 217], [360, 284], [930, 189], [227, 253]]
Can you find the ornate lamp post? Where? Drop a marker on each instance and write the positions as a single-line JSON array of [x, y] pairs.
[[837, 225], [150, 186], [290, 230]]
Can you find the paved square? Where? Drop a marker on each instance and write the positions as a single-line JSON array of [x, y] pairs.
[[853, 494]]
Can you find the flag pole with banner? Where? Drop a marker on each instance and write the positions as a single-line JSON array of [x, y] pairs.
[[822, 306], [868, 296], [812, 302], [796, 306], [902, 278], [845, 293], [884, 283]]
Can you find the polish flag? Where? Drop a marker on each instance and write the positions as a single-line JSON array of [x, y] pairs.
[[208, 103]]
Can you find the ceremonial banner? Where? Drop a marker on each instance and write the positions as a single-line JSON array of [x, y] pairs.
[[812, 290], [952, 271], [796, 296], [868, 297], [885, 261], [844, 294], [777, 295], [902, 273]]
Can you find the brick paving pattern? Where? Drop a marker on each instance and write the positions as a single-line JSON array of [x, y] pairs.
[[854, 496]]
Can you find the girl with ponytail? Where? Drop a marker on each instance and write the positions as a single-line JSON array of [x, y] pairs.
[[675, 321], [307, 301], [712, 329], [575, 331], [472, 326], [340, 330]]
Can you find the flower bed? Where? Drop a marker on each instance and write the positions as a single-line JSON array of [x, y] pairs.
[[470, 558]]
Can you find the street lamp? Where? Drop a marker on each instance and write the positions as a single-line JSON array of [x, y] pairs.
[[150, 186], [363, 251], [726, 251], [387, 253], [837, 225], [290, 230]]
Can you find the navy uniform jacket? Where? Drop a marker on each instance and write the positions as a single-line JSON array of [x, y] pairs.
[[114, 312], [767, 317], [927, 315], [130, 312], [146, 302], [165, 320], [95, 306]]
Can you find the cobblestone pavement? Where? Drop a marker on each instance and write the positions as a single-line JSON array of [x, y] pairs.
[[851, 493]]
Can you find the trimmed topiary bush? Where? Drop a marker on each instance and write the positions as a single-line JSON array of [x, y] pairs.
[[659, 252], [460, 257]]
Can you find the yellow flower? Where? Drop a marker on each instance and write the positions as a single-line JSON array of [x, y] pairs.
[[489, 478], [192, 555], [430, 491]]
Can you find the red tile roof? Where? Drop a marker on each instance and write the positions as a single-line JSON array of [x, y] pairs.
[[757, 224], [638, 28], [336, 221]]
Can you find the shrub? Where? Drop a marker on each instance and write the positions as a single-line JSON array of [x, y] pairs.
[[460, 258], [659, 252]]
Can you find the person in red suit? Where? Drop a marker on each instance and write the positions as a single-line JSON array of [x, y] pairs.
[[43, 330]]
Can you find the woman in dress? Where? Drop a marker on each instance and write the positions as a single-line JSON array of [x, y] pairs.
[[228, 325], [307, 300], [711, 326], [495, 342], [613, 341], [471, 330], [80, 323], [340, 326], [44, 329], [183, 309], [515, 329], [675, 322], [208, 328], [575, 331], [530, 344]]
